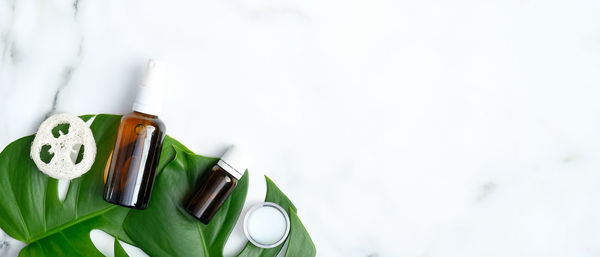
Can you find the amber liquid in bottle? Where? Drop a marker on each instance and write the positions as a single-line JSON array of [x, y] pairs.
[[131, 169], [213, 193]]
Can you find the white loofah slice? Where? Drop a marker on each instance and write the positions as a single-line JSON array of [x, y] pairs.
[[62, 165]]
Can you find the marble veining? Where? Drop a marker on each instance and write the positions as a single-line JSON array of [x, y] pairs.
[[66, 76]]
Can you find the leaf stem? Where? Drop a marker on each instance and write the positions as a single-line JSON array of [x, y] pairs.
[[69, 224], [203, 240]]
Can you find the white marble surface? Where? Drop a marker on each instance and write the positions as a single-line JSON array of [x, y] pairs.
[[398, 127]]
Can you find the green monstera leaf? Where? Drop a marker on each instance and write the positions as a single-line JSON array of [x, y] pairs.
[[165, 229], [30, 210], [118, 249], [299, 243]]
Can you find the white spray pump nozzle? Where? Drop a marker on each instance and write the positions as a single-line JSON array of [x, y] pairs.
[[150, 93]]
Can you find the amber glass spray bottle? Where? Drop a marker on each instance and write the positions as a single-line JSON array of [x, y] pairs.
[[218, 186], [132, 165]]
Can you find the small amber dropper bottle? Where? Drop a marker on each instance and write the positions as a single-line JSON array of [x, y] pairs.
[[131, 168], [216, 189]]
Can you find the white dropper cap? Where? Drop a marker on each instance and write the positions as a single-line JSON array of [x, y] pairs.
[[232, 161], [149, 96]]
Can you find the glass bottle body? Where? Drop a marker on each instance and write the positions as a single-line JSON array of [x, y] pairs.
[[132, 165], [208, 199]]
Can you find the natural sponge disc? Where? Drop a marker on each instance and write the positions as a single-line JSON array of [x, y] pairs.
[[63, 146]]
